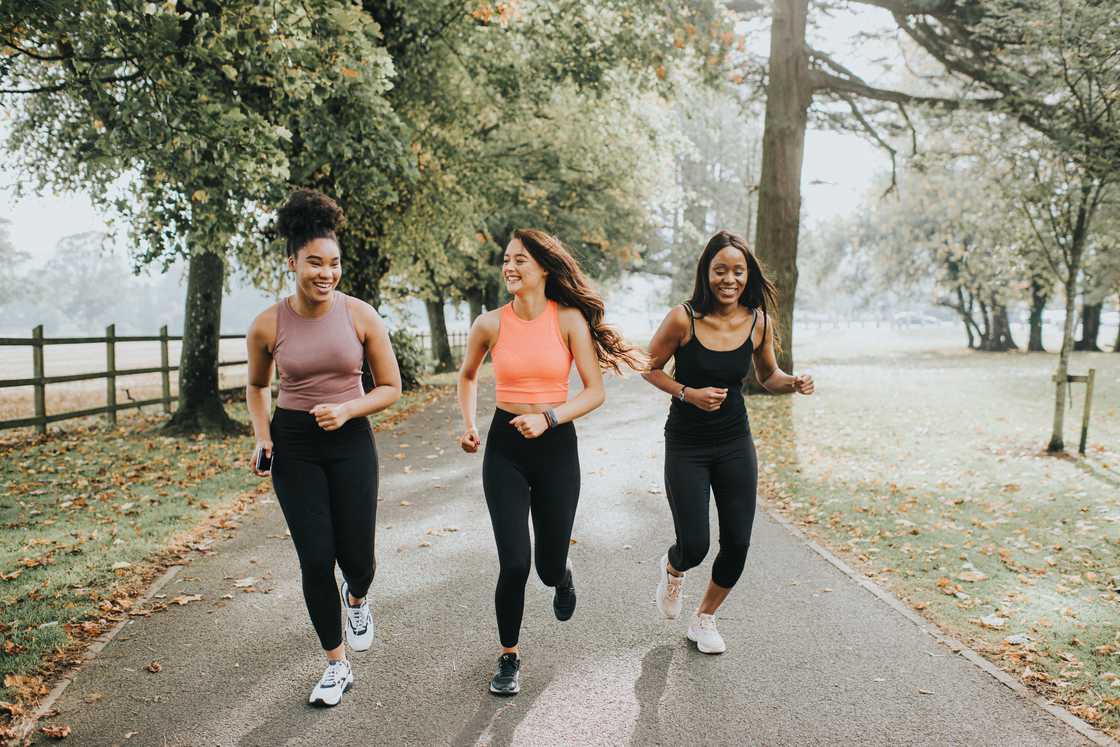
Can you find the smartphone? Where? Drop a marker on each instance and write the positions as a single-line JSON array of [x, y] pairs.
[[264, 461]]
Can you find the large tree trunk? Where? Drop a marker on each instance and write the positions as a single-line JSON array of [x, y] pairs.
[[441, 347], [783, 148], [1090, 327], [1038, 306], [474, 298], [200, 406]]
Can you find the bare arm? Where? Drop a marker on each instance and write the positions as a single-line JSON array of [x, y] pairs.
[[772, 378], [259, 342], [578, 335], [673, 333], [481, 337]]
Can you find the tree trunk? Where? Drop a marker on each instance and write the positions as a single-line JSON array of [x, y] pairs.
[[474, 298], [1116, 347], [1090, 327], [441, 348], [1038, 305], [1057, 443], [1001, 340], [783, 148], [200, 406]]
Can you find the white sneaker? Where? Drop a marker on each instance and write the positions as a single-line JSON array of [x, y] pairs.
[[669, 591], [702, 631], [336, 680], [359, 622]]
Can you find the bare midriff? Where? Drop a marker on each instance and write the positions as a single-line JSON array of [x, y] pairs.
[[527, 408]]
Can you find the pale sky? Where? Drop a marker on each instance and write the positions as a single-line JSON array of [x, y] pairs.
[[844, 165]]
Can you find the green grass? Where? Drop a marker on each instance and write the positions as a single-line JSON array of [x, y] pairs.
[[925, 468], [76, 507]]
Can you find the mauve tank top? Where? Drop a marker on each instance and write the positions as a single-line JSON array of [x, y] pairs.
[[320, 360]]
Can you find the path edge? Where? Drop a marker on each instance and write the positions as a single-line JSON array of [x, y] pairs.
[[1083, 727], [26, 727]]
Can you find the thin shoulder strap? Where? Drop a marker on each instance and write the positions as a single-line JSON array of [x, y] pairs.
[[754, 322], [691, 318]]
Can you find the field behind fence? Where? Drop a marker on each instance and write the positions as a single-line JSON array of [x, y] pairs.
[[47, 379]]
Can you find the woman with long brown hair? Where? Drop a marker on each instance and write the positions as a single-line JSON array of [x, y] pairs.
[[531, 462], [708, 447]]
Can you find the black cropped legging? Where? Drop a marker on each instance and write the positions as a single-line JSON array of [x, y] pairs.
[[326, 482], [523, 476], [692, 474]]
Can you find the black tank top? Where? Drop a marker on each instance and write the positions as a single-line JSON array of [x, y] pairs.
[[698, 367]]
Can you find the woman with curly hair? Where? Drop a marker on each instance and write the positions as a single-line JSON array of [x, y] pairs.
[[531, 463], [319, 445]]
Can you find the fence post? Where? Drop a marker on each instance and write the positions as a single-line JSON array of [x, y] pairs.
[[164, 358], [111, 373], [1085, 414], [40, 374]]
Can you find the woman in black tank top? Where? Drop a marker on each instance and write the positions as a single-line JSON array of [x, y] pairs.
[[708, 448]]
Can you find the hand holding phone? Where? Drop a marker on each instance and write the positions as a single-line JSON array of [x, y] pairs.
[[262, 459]]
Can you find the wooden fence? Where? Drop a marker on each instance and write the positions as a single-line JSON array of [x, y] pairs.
[[39, 380]]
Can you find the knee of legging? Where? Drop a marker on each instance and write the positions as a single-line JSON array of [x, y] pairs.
[[551, 574], [317, 570], [729, 563], [690, 554], [515, 569]]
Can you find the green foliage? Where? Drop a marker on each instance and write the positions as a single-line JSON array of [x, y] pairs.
[[411, 358]]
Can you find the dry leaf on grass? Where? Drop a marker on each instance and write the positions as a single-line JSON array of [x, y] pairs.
[[154, 666]]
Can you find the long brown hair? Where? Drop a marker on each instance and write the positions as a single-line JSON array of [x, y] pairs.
[[759, 293], [568, 286]]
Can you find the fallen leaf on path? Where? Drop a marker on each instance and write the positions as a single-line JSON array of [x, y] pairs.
[[121, 565], [131, 734], [919, 605], [154, 666], [406, 503], [93, 697], [972, 576], [241, 583], [425, 544], [56, 732], [183, 599], [926, 692]]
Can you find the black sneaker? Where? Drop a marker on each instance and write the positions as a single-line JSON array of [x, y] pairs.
[[507, 679], [564, 603]]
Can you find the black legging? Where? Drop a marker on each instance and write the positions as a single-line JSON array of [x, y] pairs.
[[692, 474], [326, 482], [522, 476]]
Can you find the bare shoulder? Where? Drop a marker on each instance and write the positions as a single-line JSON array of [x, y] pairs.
[[359, 309], [486, 326], [263, 326], [571, 317]]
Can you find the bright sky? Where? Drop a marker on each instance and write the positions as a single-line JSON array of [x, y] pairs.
[[838, 168]]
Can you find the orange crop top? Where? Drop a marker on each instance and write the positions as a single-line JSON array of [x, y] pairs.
[[531, 361]]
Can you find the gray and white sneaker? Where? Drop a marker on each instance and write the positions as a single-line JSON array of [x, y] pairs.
[[359, 622], [336, 680], [702, 631], [669, 591]]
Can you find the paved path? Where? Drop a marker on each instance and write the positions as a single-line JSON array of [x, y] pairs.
[[804, 665]]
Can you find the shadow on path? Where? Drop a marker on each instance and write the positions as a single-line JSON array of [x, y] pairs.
[[497, 718], [649, 690]]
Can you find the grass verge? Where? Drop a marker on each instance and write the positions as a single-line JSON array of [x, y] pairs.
[[926, 471]]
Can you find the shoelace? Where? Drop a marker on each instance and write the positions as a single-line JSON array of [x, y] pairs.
[[707, 622], [358, 616], [673, 589], [507, 666], [336, 672]]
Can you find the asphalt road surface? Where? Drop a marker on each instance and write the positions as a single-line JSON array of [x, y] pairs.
[[804, 666]]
